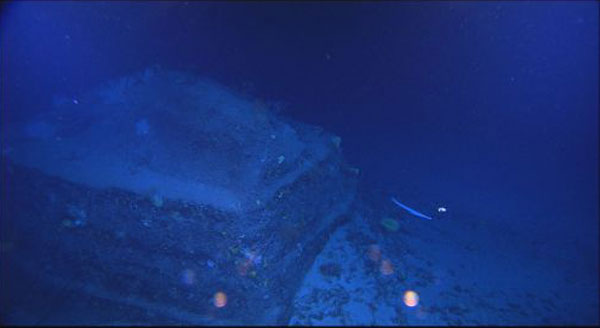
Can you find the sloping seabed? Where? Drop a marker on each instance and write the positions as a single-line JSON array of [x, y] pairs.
[[465, 270]]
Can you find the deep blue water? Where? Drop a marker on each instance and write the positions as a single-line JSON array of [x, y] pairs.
[[487, 105]]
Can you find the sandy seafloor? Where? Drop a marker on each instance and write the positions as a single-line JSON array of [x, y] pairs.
[[465, 272]]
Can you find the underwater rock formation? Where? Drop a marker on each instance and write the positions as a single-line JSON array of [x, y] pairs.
[[149, 196]]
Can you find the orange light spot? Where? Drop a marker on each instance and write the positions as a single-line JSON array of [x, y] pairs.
[[411, 298], [386, 268], [374, 253], [220, 299]]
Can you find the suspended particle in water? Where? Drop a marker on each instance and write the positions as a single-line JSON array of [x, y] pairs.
[[411, 298], [386, 268], [374, 253], [220, 299], [188, 277], [243, 267]]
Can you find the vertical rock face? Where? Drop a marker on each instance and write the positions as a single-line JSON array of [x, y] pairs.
[[143, 199]]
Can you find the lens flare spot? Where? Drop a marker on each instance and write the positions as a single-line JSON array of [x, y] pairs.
[[411, 298], [220, 299], [188, 277], [374, 253], [386, 268]]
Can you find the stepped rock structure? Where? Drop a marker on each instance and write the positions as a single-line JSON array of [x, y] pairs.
[[164, 198]]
